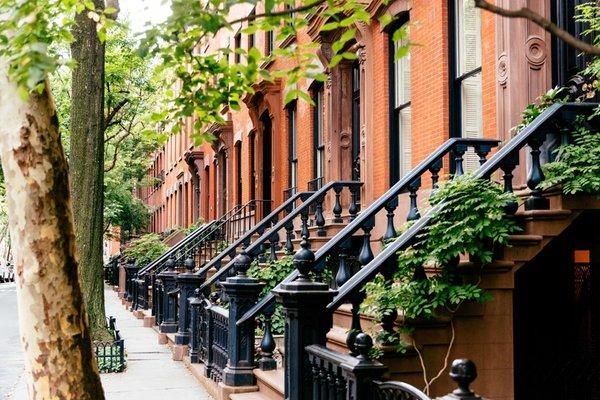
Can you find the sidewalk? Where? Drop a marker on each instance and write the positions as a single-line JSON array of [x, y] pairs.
[[151, 373]]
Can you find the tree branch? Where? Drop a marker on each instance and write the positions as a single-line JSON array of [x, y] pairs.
[[111, 115], [115, 154], [548, 25], [278, 13]]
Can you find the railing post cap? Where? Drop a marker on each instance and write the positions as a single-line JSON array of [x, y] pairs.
[[189, 264], [463, 372], [242, 263], [170, 263], [363, 344], [304, 260]]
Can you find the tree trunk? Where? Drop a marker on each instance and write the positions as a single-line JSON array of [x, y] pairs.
[[87, 164], [52, 320]]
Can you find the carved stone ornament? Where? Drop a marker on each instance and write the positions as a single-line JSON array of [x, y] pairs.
[[502, 68], [536, 51]]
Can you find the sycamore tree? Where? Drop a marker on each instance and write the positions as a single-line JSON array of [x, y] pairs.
[[53, 321]]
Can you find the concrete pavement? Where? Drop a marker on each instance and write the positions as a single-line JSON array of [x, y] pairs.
[[151, 373]]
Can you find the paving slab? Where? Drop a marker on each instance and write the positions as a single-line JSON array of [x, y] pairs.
[[151, 373]]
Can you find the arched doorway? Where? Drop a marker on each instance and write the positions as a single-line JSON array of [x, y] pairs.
[[557, 317]]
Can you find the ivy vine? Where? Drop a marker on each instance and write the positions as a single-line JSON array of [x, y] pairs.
[[471, 220]]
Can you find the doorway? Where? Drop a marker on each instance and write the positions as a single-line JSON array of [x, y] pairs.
[[557, 318], [566, 61], [267, 162]]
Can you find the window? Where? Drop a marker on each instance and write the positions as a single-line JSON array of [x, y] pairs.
[[238, 166], [269, 42], [292, 141], [355, 121], [319, 142], [238, 45], [251, 37], [466, 102], [401, 140]]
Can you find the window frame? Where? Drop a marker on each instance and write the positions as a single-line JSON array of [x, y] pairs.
[[292, 116], [318, 94], [394, 131], [456, 80]]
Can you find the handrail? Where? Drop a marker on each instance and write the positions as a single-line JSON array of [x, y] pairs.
[[261, 226], [392, 193], [191, 238], [163, 257], [253, 249], [221, 222], [367, 273]]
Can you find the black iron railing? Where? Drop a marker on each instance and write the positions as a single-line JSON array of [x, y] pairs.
[[269, 241], [340, 244], [257, 229], [110, 355], [557, 118]]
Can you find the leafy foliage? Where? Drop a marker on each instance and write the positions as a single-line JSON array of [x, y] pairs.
[[589, 14], [576, 166], [470, 219], [146, 249], [533, 110], [29, 28], [271, 275], [210, 80], [194, 226]]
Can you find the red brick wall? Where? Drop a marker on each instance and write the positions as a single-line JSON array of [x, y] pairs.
[[430, 117]]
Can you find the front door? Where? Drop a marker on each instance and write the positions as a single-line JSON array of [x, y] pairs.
[[557, 318]]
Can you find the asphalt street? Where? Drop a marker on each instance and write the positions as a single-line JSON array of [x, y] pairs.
[[12, 370]]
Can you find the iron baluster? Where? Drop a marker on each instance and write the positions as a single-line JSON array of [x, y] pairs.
[[337, 208], [366, 253], [507, 168], [459, 151], [536, 176], [343, 273], [413, 212], [319, 218], [267, 344], [390, 207], [435, 176]]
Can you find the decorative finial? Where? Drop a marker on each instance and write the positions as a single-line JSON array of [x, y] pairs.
[[242, 263], [170, 264], [463, 372], [363, 345], [189, 264], [304, 260]]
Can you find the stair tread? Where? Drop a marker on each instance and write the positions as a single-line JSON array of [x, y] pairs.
[[275, 379], [545, 214], [525, 238], [249, 396]]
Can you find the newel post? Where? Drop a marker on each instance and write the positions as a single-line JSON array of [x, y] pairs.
[[306, 322], [169, 284], [187, 283], [463, 372], [243, 293]]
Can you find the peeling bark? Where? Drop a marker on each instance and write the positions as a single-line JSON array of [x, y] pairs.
[[52, 318]]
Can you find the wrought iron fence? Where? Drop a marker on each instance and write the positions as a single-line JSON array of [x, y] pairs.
[[110, 355]]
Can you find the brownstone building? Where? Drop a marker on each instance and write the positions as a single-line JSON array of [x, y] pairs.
[[470, 75]]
